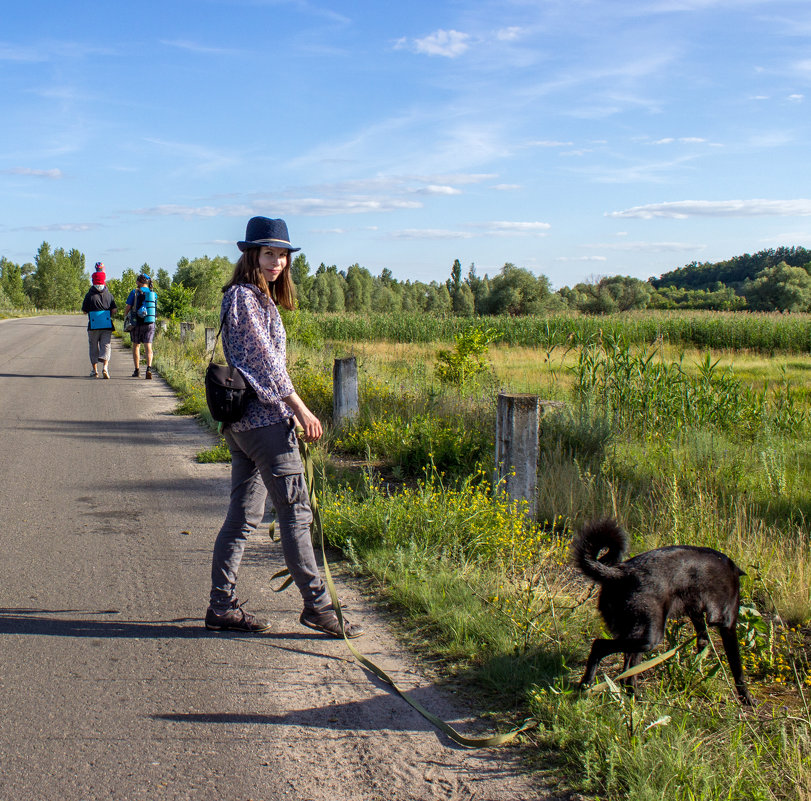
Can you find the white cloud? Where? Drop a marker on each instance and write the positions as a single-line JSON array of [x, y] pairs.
[[682, 209], [509, 34], [9, 52], [685, 140], [435, 189], [550, 143], [449, 44], [581, 258], [306, 207], [503, 227], [53, 174], [498, 228], [430, 233], [796, 98], [194, 47], [74, 227], [646, 247], [507, 187]]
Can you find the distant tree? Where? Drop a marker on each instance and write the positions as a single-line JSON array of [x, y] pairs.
[[300, 274], [205, 277], [517, 291], [359, 288], [59, 280], [437, 299], [328, 290], [479, 289], [162, 281], [11, 282], [176, 302], [605, 295], [780, 288], [462, 300], [386, 299]]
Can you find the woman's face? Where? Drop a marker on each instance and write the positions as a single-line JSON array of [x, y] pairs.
[[271, 262]]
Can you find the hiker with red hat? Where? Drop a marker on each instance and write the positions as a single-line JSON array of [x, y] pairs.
[[99, 306]]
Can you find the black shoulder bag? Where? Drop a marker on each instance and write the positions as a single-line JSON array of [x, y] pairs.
[[227, 391]]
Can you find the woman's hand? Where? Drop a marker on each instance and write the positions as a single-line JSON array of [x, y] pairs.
[[313, 430]]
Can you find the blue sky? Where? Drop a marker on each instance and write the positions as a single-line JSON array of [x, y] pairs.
[[575, 138]]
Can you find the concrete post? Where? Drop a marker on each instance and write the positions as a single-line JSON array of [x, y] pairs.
[[517, 447], [344, 390], [185, 331], [211, 339]]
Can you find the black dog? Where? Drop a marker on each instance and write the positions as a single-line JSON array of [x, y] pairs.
[[637, 597]]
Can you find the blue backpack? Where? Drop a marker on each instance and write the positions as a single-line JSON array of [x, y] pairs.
[[146, 301], [100, 319]]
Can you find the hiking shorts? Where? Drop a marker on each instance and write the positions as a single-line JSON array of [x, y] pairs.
[[143, 334]]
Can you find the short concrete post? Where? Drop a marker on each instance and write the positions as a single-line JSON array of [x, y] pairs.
[[185, 331], [517, 447], [211, 339], [344, 390]]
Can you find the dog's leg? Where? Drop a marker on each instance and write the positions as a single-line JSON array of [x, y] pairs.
[[599, 650], [631, 660], [702, 635], [730, 641], [633, 648]]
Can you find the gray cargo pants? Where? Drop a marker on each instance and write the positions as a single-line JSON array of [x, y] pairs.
[[266, 461]]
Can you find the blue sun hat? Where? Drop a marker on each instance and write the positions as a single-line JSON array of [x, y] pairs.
[[264, 232]]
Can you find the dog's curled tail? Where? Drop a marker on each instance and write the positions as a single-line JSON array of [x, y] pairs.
[[595, 537]]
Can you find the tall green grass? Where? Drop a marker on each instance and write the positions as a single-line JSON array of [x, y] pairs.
[[769, 333]]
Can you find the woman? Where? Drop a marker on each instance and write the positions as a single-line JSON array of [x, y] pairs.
[[144, 300], [99, 306], [264, 448]]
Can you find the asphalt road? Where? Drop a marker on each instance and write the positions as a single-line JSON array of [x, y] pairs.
[[110, 687]]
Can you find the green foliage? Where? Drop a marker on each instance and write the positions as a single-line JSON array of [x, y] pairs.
[[218, 453], [731, 331], [609, 295], [59, 280], [732, 272], [11, 284], [516, 291], [780, 288], [176, 302], [640, 392], [459, 367], [410, 443], [205, 277]]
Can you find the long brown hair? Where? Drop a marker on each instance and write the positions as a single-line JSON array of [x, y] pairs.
[[247, 271]]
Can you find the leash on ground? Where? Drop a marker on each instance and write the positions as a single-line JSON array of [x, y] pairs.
[[640, 668], [460, 739]]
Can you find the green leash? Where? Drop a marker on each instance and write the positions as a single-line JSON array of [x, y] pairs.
[[461, 739]]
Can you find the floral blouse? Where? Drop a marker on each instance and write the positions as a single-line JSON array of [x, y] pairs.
[[255, 342]]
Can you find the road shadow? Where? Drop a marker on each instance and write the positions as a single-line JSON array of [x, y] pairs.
[[101, 625]]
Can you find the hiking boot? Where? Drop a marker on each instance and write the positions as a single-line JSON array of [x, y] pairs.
[[148, 372], [136, 373], [326, 621], [236, 619]]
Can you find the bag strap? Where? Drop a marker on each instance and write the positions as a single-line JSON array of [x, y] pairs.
[[217, 338]]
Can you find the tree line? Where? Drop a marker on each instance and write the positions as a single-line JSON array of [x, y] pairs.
[[772, 280]]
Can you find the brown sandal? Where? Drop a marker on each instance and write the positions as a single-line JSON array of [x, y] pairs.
[[326, 621]]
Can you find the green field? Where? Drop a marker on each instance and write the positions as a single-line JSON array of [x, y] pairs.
[[689, 428]]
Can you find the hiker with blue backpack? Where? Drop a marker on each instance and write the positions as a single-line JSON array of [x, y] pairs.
[[99, 306], [143, 301]]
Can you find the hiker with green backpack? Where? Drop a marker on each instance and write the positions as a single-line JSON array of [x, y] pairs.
[[142, 302]]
